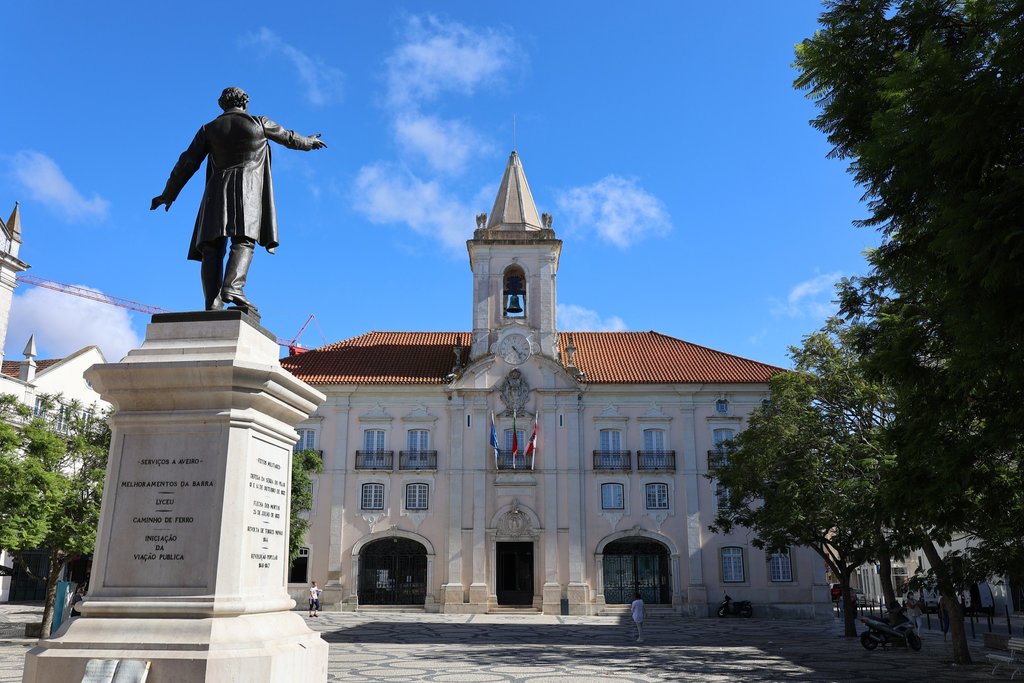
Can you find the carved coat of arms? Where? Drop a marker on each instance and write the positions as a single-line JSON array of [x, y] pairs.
[[514, 392]]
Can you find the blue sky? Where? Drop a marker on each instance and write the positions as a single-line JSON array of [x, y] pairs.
[[691, 194]]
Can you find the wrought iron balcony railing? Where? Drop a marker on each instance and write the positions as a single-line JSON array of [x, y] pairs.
[[417, 460], [717, 459], [519, 462], [375, 460], [656, 460], [618, 461]]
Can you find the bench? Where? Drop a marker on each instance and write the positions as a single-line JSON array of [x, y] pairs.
[[1014, 659]]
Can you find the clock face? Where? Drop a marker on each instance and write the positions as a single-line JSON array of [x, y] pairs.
[[515, 349]]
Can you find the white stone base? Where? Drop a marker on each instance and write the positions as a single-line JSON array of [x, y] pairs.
[[254, 648]]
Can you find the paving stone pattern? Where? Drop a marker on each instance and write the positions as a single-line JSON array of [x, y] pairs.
[[544, 649]]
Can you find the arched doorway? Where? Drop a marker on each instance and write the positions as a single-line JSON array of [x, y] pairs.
[[393, 571], [636, 564]]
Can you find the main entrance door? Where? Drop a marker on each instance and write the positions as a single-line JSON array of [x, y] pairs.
[[514, 573], [393, 571], [636, 565]]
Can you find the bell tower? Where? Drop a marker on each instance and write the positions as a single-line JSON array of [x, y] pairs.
[[514, 257], [10, 266]]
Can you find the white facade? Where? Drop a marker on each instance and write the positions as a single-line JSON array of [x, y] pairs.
[[414, 507]]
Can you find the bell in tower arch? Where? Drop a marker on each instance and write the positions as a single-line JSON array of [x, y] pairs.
[[514, 292]]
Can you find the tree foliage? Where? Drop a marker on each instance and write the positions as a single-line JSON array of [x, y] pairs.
[[304, 463], [925, 98], [53, 466], [808, 468]]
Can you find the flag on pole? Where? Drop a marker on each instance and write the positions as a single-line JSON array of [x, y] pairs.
[[515, 441], [531, 447], [494, 441]]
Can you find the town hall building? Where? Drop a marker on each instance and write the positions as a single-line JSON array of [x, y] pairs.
[[519, 465]]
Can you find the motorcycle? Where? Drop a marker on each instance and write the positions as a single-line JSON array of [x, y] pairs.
[[899, 629], [740, 608]]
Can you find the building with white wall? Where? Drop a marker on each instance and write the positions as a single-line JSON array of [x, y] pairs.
[[416, 507]]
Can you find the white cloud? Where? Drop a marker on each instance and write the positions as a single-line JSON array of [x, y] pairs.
[[812, 297], [578, 319], [441, 56], [323, 83], [386, 193], [446, 145], [617, 209], [45, 182], [64, 324]]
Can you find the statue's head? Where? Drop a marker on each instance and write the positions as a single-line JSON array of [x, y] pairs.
[[233, 98]]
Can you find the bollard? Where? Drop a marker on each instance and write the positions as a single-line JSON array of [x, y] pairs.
[[973, 635], [988, 617], [1009, 626]]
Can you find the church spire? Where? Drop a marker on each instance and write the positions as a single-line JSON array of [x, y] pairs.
[[514, 208], [14, 223]]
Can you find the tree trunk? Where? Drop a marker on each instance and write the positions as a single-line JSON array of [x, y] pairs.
[[849, 605], [961, 653], [885, 579], [57, 563]]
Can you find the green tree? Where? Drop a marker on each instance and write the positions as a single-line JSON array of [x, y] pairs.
[[304, 463], [925, 99], [53, 467], [808, 468]]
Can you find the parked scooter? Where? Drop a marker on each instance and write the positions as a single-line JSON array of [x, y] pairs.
[[737, 608], [899, 629]]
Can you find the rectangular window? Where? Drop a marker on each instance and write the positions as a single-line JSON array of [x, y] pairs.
[[520, 440], [373, 440], [732, 565], [373, 497], [657, 496], [780, 569], [721, 497], [611, 440], [654, 440], [612, 497], [307, 440], [419, 440], [416, 496]]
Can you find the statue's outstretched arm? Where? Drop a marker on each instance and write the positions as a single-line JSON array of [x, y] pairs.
[[289, 138]]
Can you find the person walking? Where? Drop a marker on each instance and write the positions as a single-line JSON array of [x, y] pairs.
[[637, 611], [314, 600]]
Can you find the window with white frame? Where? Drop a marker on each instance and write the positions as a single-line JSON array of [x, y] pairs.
[[610, 440], [417, 496], [721, 496], [720, 436], [780, 569], [373, 440], [654, 440], [419, 440], [732, 565], [657, 496], [520, 440], [613, 497], [307, 440], [373, 497]]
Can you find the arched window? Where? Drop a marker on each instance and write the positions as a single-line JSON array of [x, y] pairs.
[[373, 497], [417, 496], [612, 497], [657, 496], [780, 567], [732, 565], [513, 293]]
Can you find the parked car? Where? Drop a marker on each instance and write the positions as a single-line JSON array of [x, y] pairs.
[[930, 603]]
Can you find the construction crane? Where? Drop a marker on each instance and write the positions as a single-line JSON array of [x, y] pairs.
[[292, 345]]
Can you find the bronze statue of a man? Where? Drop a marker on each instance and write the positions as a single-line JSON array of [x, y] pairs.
[[238, 202]]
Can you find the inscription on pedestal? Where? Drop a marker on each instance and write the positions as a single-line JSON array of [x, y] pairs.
[[162, 512], [266, 508]]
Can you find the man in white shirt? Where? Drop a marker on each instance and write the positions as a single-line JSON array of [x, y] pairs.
[[637, 611]]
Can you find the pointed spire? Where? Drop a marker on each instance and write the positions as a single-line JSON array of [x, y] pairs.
[[14, 223], [27, 368], [30, 348], [514, 208]]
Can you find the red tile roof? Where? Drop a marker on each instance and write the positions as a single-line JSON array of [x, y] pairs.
[[12, 368], [605, 357]]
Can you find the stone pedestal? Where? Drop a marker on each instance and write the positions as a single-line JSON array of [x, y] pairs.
[[191, 558]]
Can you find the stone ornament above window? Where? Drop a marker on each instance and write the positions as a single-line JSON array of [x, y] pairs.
[[515, 523], [514, 392]]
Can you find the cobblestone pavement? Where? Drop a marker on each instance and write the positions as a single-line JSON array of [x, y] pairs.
[[544, 649]]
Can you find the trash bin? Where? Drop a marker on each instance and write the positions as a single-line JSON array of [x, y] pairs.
[[565, 606]]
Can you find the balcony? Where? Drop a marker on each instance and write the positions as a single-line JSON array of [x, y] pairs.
[[417, 460], [717, 458], [375, 460], [520, 462], [664, 461], [612, 461]]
